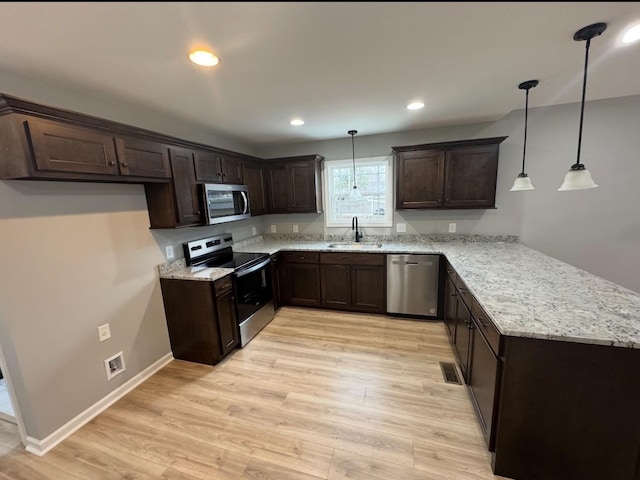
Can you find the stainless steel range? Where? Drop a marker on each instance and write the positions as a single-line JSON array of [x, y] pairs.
[[251, 280]]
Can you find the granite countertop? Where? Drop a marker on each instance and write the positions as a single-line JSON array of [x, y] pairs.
[[178, 270], [526, 293]]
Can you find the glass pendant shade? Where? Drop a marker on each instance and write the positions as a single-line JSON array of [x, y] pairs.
[[577, 179], [523, 182]]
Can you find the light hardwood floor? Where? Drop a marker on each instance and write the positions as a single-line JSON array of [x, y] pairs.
[[316, 395]]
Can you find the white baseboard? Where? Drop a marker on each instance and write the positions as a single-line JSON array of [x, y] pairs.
[[40, 447]]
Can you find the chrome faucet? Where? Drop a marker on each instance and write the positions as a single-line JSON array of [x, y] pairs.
[[354, 226]]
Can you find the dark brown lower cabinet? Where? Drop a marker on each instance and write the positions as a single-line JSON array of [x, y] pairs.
[[275, 280], [302, 284], [368, 288], [462, 339], [549, 409], [568, 410], [483, 378], [201, 319], [450, 307], [353, 281], [226, 313], [336, 286]]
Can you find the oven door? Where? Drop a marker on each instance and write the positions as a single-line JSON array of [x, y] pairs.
[[254, 299], [226, 203], [253, 288]]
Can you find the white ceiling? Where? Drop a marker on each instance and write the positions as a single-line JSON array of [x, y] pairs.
[[338, 65]]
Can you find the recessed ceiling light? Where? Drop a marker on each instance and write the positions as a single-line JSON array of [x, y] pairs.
[[415, 106], [204, 58], [632, 35], [297, 122]]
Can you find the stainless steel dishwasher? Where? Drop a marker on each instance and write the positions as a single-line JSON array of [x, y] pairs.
[[412, 284]]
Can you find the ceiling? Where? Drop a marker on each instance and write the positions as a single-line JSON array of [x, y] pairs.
[[337, 65]]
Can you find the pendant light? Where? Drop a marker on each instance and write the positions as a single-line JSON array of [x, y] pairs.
[[355, 193], [578, 177], [523, 182]]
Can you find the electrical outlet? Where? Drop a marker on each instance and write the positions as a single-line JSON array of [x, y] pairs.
[[104, 332], [273, 229], [254, 231], [114, 365], [295, 229], [452, 228], [401, 227], [168, 250]]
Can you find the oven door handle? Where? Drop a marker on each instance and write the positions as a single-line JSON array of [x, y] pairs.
[[252, 269]]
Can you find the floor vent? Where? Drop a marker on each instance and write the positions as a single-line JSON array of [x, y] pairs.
[[450, 373]]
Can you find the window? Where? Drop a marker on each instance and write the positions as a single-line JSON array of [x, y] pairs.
[[374, 204]]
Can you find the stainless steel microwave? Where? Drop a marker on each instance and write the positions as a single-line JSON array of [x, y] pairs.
[[226, 203]]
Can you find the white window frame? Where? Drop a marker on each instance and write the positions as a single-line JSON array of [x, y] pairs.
[[362, 222]]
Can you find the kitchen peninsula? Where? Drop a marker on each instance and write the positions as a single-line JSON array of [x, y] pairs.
[[567, 380]]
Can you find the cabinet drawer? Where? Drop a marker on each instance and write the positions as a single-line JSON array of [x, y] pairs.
[[300, 257], [487, 327], [352, 258], [223, 285]]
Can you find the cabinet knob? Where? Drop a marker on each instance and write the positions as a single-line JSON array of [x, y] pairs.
[[198, 212], [446, 199], [439, 199], [111, 162], [125, 164], [454, 294], [480, 321]]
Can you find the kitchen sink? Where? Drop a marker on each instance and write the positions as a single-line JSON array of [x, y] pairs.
[[355, 245]]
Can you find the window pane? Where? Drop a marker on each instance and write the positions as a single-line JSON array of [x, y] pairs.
[[373, 205]]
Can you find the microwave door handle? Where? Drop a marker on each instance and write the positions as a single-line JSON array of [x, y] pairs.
[[245, 210]]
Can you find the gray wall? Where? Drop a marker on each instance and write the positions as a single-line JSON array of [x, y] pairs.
[[596, 229], [75, 256]]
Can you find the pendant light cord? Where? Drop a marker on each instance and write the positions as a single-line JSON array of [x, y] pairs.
[[353, 155], [584, 89], [526, 115]]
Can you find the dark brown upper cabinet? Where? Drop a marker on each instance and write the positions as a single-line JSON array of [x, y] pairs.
[[178, 203], [218, 167], [460, 174], [143, 158], [253, 177], [294, 184]]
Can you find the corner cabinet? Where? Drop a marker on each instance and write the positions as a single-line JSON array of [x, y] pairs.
[[294, 184], [447, 175]]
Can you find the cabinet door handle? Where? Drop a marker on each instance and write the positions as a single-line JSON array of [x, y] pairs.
[[480, 321], [463, 291], [454, 294]]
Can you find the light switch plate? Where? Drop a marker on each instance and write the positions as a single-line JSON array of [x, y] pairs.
[[104, 332], [168, 250], [295, 229], [253, 231], [452, 228], [273, 229], [401, 227]]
